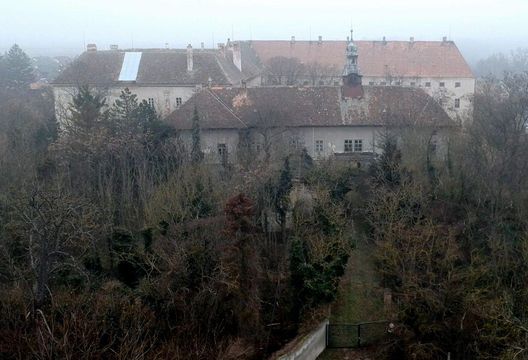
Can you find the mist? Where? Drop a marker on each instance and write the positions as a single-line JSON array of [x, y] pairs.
[[60, 27]]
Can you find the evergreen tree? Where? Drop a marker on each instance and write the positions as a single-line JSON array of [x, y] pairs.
[[126, 106], [87, 111], [196, 151], [18, 69], [387, 169], [282, 196], [3, 73]]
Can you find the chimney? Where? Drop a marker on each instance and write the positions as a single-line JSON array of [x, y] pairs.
[[384, 41], [411, 40], [320, 40], [292, 41], [114, 47], [444, 39], [237, 56], [189, 58], [202, 46], [91, 47], [167, 46]]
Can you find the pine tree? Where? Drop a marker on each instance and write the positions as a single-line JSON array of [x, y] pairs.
[[126, 106], [282, 196], [18, 69], [387, 169], [87, 111], [196, 151]]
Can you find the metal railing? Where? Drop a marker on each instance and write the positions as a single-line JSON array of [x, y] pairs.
[[356, 335]]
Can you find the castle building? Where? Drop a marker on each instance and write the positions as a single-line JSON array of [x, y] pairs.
[[437, 67], [166, 78], [346, 120]]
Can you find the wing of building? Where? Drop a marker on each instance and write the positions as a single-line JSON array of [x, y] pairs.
[[323, 120], [166, 78], [438, 67]]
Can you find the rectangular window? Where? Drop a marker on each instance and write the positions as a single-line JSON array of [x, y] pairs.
[[457, 103], [222, 153], [349, 145], [457, 84], [442, 84], [397, 83], [358, 145], [371, 83], [428, 84], [151, 102], [383, 83], [413, 83], [318, 146], [178, 101]]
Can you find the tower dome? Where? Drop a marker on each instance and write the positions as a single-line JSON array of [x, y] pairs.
[[351, 66]]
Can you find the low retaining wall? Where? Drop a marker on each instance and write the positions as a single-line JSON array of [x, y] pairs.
[[310, 347]]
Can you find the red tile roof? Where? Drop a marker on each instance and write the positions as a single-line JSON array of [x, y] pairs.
[[236, 108], [376, 58]]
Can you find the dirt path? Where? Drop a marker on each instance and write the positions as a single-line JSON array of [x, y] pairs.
[[359, 299]]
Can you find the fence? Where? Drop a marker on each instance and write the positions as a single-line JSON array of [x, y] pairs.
[[355, 335]]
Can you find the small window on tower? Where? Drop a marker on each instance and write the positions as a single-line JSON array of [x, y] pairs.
[[178, 101]]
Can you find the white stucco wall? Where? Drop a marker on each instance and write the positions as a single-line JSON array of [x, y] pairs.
[[164, 96], [209, 141], [310, 347], [448, 93], [333, 140]]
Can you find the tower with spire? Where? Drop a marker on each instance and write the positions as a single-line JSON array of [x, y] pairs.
[[351, 74]]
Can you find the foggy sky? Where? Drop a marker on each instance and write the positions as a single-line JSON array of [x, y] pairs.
[[56, 27]]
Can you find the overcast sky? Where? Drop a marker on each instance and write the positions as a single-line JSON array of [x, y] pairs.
[[64, 26]]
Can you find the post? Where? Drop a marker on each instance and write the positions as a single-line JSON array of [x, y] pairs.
[[359, 335]]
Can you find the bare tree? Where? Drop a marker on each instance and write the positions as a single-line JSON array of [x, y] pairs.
[[284, 71]]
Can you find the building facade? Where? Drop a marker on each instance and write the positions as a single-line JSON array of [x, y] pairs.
[[436, 67], [166, 78]]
